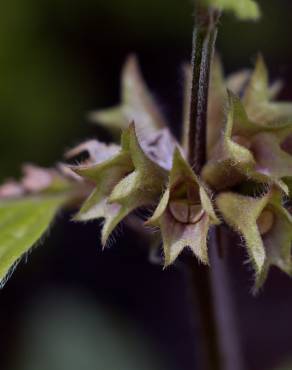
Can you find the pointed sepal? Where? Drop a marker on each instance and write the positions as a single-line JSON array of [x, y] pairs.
[[105, 175], [123, 182], [142, 187], [259, 95], [277, 240], [241, 213], [247, 150], [266, 227], [184, 213], [137, 104]]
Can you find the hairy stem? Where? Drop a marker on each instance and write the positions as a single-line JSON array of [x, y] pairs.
[[220, 349], [204, 38]]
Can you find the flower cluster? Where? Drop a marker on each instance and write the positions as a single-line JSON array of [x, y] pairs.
[[244, 182]]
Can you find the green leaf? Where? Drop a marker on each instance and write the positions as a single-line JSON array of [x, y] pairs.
[[22, 223], [243, 9]]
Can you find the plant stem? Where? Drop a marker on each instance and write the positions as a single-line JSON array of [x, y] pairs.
[[220, 348], [208, 348], [228, 337], [219, 343], [204, 38]]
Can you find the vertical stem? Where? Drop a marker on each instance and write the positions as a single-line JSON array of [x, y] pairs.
[[204, 38], [231, 355], [219, 343], [208, 348]]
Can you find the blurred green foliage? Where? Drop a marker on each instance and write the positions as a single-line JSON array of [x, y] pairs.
[[69, 331], [59, 59], [40, 97], [287, 366], [50, 51]]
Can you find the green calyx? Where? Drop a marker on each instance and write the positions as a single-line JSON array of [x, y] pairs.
[[184, 213], [137, 104], [249, 149], [248, 143], [266, 227], [248, 169], [124, 182]]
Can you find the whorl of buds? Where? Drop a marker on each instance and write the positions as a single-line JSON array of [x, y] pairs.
[[243, 183]]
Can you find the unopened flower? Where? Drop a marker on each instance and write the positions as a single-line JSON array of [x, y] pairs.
[[11, 189], [36, 180]]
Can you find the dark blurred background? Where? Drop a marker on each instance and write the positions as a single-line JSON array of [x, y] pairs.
[[72, 306]]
